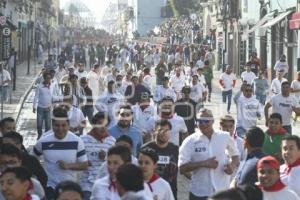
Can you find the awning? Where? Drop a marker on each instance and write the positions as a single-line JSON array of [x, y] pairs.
[[294, 22], [261, 22], [277, 19]]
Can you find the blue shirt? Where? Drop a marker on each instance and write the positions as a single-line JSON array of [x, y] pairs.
[[132, 132]]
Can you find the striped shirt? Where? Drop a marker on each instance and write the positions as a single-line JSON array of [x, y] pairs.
[[70, 149], [93, 147]]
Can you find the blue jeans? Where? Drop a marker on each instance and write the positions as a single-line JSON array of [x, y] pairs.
[[261, 98], [3, 92], [225, 95], [43, 116]]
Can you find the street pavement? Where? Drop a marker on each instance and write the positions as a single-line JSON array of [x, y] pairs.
[[24, 83], [27, 123]]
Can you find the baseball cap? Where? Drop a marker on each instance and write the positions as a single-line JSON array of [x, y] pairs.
[[269, 161]]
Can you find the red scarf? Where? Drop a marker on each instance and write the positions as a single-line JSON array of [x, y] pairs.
[[153, 178], [275, 188], [280, 131], [27, 197], [112, 186], [288, 168]]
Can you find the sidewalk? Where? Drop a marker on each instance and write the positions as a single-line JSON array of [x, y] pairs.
[[24, 84]]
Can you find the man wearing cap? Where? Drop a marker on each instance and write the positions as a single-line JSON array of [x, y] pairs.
[[290, 171], [205, 154], [270, 183], [227, 82], [186, 108], [142, 112], [163, 91]]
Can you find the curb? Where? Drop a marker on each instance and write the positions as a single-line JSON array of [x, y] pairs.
[[23, 98]]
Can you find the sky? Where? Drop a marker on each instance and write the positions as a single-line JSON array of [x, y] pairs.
[[98, 7]]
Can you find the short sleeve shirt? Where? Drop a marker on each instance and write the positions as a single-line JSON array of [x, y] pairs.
[[284, 106], [70, 149]]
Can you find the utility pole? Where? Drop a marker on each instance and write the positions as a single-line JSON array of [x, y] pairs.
[[263, 39]]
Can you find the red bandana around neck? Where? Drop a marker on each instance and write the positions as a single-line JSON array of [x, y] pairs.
[[275, 188], [280, 131], [28, 197], [289, 167], [153, 178], [112, 185]]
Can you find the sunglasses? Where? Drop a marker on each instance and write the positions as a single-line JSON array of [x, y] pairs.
[[203, 121]]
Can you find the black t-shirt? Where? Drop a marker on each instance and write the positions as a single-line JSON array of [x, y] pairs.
[[167, 163]]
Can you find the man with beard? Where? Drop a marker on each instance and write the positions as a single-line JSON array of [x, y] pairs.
[[167, 153], [124, 127]]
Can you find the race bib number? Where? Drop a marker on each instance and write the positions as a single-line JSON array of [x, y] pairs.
[[164, 160]]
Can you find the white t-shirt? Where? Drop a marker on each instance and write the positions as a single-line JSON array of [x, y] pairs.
[[161, 190], [276, 85], [178, 127], [248, 76], [4, 76], [147, 82], [197, 147], [92, 148], [200, 64], [70, 149], [283, 105], [177, 83], [291, 179], [162, 92], [75, 116], [110, 102], [94, 84], [284, 193], [102, 190], [197, 92], [141, 118], [296, 86], [248, 110], [81, 74], [227, 81]]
